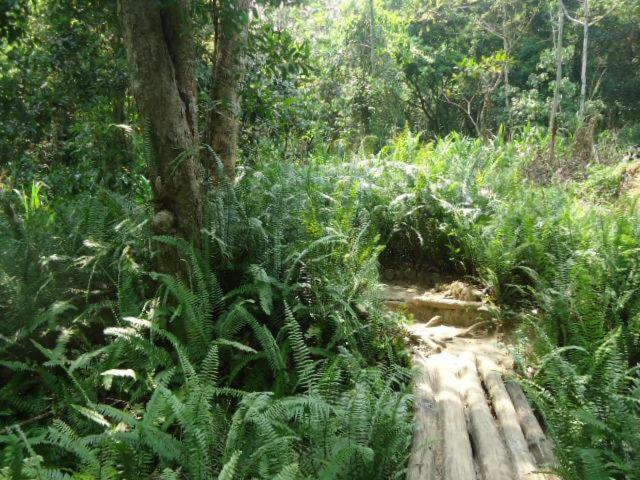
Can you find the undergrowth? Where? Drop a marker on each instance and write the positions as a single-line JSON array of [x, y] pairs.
[[562, 256], [274, 358]]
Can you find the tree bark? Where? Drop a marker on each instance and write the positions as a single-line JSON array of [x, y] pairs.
[[426, 441], [522, 459], [539, 445], [457, 452], [162, 73], [224, 119]]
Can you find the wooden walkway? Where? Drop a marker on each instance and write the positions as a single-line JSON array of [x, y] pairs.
[[471, 424]]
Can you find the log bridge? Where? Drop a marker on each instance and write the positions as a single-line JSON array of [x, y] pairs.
[[471, 421]]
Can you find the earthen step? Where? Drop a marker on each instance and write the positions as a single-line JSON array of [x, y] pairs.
[[425, 306]]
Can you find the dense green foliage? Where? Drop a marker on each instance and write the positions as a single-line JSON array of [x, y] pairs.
[[320, 75], [295, 314], [373, 134], [563, 257], [267, 363]]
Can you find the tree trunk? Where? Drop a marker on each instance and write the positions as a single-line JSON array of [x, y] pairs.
[[583, 68], [426, 444], [224, 119], [507, 100], [507, 49], [372, 39], [556, 92], [162, 73], [505, 412], [539, 445], [491, 453], [457, 456]]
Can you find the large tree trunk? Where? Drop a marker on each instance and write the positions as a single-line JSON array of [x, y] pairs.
[[161, 60], [224, 120]]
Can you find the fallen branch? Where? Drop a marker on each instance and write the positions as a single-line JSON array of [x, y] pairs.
[[434, 322], [467, 332]]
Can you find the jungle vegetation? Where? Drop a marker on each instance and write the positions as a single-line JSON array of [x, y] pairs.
[[197, 198]]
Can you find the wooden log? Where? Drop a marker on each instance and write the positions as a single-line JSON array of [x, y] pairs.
[[491, 453], [426, 436], [539, 444], [521, 458], [457, 458]]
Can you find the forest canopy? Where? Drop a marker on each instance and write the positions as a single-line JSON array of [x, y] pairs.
[[200, 200], [324, 74]]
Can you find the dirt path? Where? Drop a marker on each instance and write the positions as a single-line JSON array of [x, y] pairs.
[[471, 424]]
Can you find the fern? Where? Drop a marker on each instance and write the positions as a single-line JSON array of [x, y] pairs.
[[304, 364]]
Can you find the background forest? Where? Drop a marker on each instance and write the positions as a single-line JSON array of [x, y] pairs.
[[197, 197]]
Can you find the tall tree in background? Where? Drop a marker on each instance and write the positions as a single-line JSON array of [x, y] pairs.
[[583, 146], [559, 31], [372, 36], [585, 48], [224, 119], [162, 69], [585, 22]]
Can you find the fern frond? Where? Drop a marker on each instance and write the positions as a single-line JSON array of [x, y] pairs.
[[304, 365]]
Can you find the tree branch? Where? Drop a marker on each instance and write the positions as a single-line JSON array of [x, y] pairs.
[[566, 14]]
